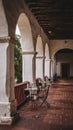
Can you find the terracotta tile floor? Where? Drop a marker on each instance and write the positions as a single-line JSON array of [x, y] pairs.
[[58, 117]]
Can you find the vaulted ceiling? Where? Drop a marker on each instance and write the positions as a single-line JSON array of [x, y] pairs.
[[54, 16]]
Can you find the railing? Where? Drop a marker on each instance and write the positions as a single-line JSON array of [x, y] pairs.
[[19, 93]]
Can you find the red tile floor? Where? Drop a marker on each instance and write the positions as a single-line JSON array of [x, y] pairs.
[[59, 116]]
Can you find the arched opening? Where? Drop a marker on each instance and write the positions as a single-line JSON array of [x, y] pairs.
[[64, 63], [27, 47], [47, 61], [18, 60], [24, 55], [39, 58]]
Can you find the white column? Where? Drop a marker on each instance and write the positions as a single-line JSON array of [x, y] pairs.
[[28, 66], [47, 68], [39, 67], [7, 98], [51, 63], [10, 76], [3, 66], [4, 98], [52, 68], [58, 69]]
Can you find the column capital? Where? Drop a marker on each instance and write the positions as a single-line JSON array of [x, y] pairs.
[[4, 39], [52, 59], [40, 57], [13, 40], [29, 53], [48, 59]]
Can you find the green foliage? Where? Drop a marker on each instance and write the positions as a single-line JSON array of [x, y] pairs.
[[18, 61]]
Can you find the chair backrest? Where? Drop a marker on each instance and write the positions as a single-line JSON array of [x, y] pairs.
[[39, 83], [26, 92], [46, 78]]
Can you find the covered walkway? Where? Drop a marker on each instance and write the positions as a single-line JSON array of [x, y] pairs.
[[44, 31], [58, 117]]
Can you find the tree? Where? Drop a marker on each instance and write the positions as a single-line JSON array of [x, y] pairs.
[[18, 61]]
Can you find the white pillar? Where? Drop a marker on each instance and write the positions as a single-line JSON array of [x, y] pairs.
[[7, 98], [58, 69], [51, 63], [39, 67], [10, 75], [52, 68], [28, 66], [4, 99], [47, 68], [3, 66]]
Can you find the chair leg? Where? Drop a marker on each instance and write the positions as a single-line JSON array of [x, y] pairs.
[[47, 104]]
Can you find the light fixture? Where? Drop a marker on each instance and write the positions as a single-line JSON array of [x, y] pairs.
[[49, 31], [65, 41]]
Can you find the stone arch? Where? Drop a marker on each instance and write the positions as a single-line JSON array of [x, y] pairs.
[[26, 34], [39, 58], [27, 47], [60, 48], [64, 62]]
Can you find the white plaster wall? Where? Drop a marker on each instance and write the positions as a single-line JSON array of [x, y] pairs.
[[3, 22], [3, 67]]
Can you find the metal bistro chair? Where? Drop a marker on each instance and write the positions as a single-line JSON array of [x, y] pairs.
[[31, 94], [38, 94], [43, 90]]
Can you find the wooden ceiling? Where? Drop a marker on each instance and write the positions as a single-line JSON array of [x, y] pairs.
[[54, 16]]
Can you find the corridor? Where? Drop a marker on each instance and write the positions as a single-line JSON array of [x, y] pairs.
[[58, 117]]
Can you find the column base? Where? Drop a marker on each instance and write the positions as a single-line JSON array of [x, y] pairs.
[[5, 114], [9, 120], [5, 120]]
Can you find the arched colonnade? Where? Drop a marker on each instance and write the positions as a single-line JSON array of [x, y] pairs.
[[32, 58], [38, 53]]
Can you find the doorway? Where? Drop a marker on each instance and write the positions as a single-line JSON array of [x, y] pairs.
[[65, 70]]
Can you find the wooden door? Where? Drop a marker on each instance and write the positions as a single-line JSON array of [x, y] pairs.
[[65, 70]]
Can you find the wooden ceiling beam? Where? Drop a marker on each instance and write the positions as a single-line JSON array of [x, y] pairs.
[[55, 16]]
